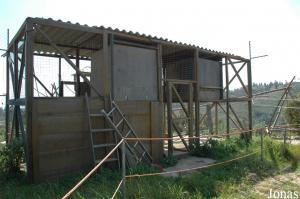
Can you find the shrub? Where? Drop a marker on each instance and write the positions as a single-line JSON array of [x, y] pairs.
[[11, 156], [218, 149], [169, 161]]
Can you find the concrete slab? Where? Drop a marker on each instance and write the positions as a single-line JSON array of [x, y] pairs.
[[188, 162]]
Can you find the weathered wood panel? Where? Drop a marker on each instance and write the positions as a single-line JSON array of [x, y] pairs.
[[61, 140]]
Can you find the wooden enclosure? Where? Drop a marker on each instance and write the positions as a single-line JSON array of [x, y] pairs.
[[144, 76]]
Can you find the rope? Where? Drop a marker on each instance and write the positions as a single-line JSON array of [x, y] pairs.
[[188, 138], [191, 169], [117, 189], [286, 107], [92, 171]]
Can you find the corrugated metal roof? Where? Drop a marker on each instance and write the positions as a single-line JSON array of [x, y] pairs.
[[55, 30], [138, 35]]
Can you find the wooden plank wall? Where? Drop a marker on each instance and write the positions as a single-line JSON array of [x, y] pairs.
[[61, 142]]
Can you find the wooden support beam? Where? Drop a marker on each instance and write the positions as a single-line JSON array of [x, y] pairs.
[[178, 131], [249, 74], [231, 80], [216, 119], [180, 100], [227, 96], [238, 76], [197, 90], [22, 67], [159, 73], [230, 118], [77, 74], [60, 93], [209, 118], [205, 114], [169, 110], [17, 102], [191, 111], [29, 96], [7, 93], [236, 117], [16, 83], [41, 83]]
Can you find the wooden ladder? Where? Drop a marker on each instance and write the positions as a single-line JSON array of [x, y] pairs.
[[115, 157], [136, 150]]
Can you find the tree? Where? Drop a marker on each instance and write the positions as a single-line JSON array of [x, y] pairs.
[[292, 114]]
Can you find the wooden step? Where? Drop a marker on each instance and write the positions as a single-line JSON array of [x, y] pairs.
[[96, 115], [101, 130], [104, 145], [111, 111]]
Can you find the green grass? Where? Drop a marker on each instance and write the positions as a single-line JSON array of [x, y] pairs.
[[234, 180]]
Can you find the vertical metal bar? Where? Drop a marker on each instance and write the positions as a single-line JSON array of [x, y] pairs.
[[7, 92], [227, 96], [249, 73], [169, 109], [123, 170]]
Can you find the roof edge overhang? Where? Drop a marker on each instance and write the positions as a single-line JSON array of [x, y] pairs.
[[100, 30]]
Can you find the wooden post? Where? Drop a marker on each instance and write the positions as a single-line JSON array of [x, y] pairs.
[[7, 92], [169, 109], [261, 145], [123, 170], [191, 119], [16, 82], [209, 118], [216, 119], [29, 95], [249, 73], [77, 74], [196, 90], [227, 96], [159, 73], [60, 93]]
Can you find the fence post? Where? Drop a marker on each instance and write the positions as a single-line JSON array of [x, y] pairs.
[[123, 170], [284, 137], [261, 144]]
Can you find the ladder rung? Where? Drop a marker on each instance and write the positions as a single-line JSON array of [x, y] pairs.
[[96, 115], [107, 160], [103, 145], [127, 133], [120, 123], [101, 130], [111, 111]]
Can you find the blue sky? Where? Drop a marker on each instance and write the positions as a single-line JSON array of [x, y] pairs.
[[273, 26]]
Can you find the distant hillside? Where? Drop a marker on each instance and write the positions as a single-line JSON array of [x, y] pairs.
[[263, 106]]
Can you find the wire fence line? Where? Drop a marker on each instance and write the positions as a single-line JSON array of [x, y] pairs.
[[124, 140], [194, 168]]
